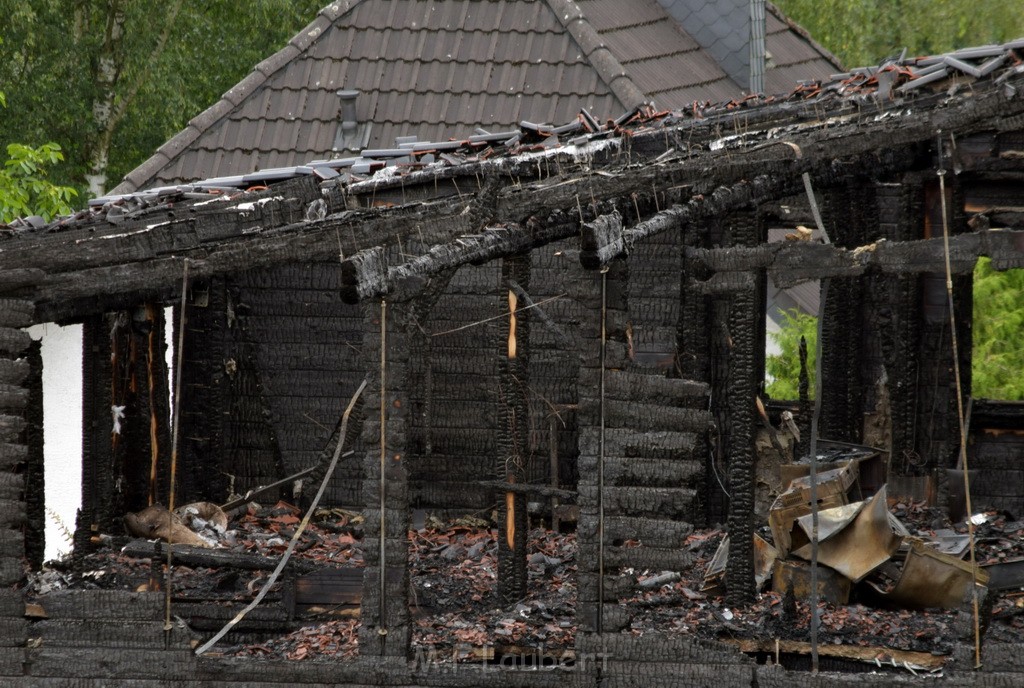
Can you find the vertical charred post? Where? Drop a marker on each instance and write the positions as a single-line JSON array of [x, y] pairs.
[[15, 462], [97, 428], [384, 615], [847, 212], [693, 359], [806, 410], [34, 477], [745, 339], [513, 436], [897, 320]]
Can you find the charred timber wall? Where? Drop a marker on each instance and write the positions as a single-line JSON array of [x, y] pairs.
[[995, 448], [15, 463], [305, 355]]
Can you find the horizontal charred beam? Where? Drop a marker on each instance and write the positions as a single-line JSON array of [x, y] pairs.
[[791, 263], [367, 274]]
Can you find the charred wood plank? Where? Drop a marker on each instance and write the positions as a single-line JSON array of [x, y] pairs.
[[199, 556], [792, 263], [540, 491]]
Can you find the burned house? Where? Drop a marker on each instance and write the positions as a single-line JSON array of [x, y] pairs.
[[484, 303]]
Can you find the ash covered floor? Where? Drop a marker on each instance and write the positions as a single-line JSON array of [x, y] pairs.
[[456, 617]]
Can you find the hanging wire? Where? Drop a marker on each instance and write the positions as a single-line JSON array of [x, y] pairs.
[[600, 459], [382, 628], [959, 404], [176, 424]]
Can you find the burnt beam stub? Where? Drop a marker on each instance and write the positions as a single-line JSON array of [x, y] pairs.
[[384, 613], [514, 454], [16, 522], [744, 343]]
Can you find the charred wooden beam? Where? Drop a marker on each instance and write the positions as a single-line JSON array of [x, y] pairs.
[[368, 275], [792, 263]]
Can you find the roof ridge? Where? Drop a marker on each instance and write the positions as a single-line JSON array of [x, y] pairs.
[[259, 75], [600, 57]]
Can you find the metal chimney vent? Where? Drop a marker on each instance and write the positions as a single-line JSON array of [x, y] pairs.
[[351, 135]]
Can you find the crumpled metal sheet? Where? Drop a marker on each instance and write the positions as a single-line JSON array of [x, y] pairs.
[[932, 579], [764, 561], [853, 539]]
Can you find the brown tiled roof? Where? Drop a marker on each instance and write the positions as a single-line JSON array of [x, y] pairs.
[[435, 69]]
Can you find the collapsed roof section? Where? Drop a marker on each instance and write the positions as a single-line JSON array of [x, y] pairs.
[[428, 69], [869, 118]]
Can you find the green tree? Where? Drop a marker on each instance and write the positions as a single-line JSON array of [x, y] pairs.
[[783, 369], [997, 358], [863, 32], [111, 80], [24, 187]]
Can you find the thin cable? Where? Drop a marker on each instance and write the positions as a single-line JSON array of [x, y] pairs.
[[813, 477], [176, 424], [959, 407], [600, 459], [382, 628]]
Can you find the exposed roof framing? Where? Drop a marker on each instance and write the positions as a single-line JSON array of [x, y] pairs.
[[89, 264]]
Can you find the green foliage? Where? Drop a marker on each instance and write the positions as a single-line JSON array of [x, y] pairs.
[[24, 187], [862, 32], [783, 369], [51, 55], [998, 357]]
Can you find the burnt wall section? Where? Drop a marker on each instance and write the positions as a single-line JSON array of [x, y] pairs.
[[995, 451], [460, 431], [554, 361], [694, 337], [603, 297], [15, 372], [638, 476], [227, 442], [302, 347], [895, 316], [654, 298], [384, 612], [126, 436], [937, 425]]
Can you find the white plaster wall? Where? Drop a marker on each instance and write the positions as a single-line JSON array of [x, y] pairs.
[[62, 429]]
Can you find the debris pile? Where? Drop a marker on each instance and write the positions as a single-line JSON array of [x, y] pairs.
[[454, 574]]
